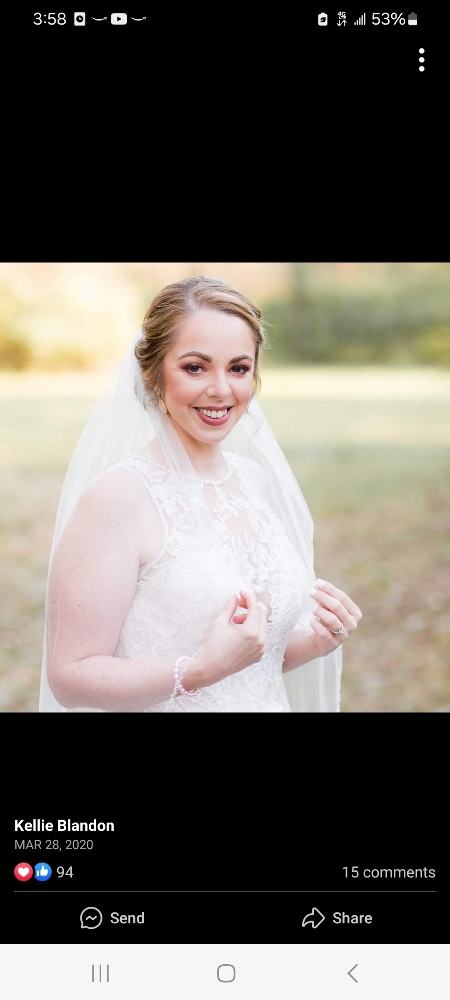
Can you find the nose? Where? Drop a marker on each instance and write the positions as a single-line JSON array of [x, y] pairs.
[[219, 387]]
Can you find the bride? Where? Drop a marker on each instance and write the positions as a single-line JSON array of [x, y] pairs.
[[181, 570]]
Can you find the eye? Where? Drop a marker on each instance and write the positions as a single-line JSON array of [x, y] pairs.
[[242, 368]]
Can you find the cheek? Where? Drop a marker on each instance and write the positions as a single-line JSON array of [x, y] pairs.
[[244, 391], [181, 389]]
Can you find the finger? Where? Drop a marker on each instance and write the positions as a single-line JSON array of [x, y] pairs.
[[246, 595], [330, 620], [241, 608], [318, 628], [229, 607], [323, 586], [253, 617], [336, 607], [323, 632]]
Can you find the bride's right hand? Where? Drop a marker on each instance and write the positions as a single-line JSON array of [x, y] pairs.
[[229, 647]]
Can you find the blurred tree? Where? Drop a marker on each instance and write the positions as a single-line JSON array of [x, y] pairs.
[[15, 351], [15, 354], [64, 359], [434, 346], [352, 322]]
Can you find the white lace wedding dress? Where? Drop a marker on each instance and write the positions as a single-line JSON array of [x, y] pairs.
[[180, 593]]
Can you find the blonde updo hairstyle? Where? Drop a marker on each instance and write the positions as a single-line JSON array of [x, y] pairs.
[[175, 303]]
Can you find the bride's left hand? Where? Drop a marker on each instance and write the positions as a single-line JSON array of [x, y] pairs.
[[335, 609]]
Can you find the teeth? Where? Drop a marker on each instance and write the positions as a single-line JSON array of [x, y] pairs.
[[213, 413]]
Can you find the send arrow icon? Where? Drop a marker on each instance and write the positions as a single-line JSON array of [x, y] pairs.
[[315, 918]]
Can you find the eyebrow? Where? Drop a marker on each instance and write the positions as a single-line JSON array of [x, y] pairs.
[[198, 354]]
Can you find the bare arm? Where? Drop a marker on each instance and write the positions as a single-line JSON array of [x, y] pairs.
[[92, 585], [114, 684], [334, 610], [299, 649]]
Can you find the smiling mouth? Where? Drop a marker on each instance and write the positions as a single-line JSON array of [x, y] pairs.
[[214, 409]]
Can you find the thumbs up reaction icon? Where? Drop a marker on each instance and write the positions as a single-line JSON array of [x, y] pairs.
[[42, 872]]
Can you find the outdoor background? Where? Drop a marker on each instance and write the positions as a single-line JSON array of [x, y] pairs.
[[356, 385]]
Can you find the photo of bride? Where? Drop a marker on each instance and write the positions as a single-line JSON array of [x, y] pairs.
[[181, 576], [224, 487]]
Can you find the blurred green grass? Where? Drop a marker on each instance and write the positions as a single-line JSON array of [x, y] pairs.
[[372, 459]]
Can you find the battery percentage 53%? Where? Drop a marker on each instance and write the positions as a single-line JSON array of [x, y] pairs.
[[388, 19]]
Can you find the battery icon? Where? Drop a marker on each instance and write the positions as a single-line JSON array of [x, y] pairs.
[[412, 18]]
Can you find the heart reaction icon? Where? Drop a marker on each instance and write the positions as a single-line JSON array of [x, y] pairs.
[[23, 871]]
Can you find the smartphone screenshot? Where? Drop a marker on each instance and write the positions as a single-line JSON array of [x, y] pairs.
[[257, 857]]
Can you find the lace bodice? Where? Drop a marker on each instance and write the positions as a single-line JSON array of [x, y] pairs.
[[180, 593]]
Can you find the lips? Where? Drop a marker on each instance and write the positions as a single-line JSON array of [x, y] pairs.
[[214, 420]]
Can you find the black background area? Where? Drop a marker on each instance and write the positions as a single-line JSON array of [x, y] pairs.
[[194, 917]]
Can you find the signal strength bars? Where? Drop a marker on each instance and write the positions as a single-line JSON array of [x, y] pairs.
[[361, 20]]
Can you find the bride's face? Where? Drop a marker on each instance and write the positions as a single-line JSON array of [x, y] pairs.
[[220, 379]]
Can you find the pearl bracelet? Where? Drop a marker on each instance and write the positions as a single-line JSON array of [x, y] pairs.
[[179, 674]]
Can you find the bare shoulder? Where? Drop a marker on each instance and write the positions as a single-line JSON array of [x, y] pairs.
[[110, 507], [121, 494], [113, 496], [117, 486]]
